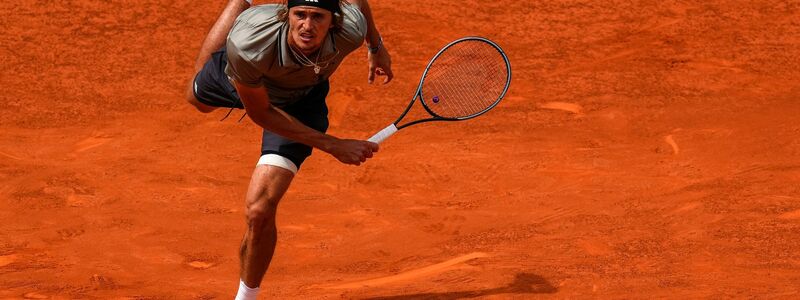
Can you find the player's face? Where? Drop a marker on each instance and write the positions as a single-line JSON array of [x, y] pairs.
[[308, 27]]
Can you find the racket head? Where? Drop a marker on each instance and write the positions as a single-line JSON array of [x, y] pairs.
[[465, 79]]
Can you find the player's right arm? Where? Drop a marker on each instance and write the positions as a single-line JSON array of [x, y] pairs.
[[256, 103]]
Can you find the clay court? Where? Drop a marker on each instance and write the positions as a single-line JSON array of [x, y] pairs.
[[644, 150]]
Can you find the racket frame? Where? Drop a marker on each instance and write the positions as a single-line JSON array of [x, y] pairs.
[[436, 117]]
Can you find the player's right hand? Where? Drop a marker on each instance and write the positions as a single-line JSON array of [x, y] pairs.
[[353, 152]]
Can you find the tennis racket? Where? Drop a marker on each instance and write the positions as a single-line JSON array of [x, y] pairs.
[[465, 79]]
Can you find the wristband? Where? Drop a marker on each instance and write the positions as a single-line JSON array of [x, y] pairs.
[[377, 47]]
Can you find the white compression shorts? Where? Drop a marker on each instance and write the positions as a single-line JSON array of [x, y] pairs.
[[278, 161]]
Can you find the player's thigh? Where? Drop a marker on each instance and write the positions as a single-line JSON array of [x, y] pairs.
[[268, 184], [210, 88]]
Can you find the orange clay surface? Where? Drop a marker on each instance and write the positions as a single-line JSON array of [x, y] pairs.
[[647, 149]]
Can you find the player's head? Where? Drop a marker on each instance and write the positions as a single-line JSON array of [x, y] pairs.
[[310, 21]]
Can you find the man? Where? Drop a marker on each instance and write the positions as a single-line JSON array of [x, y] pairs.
[[275, 64]]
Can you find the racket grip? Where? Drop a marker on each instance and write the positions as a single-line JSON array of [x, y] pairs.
[[383, 134]]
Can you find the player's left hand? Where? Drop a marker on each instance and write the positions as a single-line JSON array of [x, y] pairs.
[[380, 63]]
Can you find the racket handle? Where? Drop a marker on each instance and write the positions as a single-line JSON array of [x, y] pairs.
[[383, 134]]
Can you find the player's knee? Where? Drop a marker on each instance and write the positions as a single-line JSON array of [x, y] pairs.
[[263, 210], [193, 100], [198, 105]]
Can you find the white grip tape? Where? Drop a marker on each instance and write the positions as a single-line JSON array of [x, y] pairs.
[[383, 134]]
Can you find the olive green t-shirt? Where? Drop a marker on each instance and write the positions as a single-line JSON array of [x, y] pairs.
[[259, 54]]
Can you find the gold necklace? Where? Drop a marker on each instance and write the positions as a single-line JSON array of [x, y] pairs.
[[305, 61]]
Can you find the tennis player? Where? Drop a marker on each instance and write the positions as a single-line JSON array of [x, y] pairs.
[[274, 61]]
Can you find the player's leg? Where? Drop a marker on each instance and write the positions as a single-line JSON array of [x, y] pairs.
[[267, 187], [214, 40], [276, 168], [270, 180]]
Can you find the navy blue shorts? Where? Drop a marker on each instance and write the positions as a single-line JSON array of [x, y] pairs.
[[211, 87]]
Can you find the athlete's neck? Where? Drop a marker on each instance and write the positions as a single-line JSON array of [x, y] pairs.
[[308, 52]]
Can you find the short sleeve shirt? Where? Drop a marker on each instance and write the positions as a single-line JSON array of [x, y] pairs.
[[259, 54]]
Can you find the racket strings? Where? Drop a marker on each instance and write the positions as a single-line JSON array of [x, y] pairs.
[[465, 79], [461, 91]]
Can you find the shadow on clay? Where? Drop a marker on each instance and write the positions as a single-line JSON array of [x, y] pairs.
[[524, 283]]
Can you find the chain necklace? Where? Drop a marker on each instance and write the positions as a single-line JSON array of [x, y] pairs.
[[305, 61]]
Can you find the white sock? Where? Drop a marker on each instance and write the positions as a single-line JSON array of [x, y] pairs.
[[246, 293]]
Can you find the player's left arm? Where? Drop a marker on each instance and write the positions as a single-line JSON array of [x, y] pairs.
[[380, 63]]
